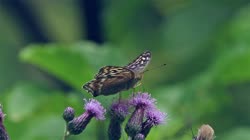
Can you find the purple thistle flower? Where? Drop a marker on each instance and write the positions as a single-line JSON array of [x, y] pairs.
[[3, 133], [142, 102], [68, 114], [154, 117], [139, 137], [93, 109], [118, 112]]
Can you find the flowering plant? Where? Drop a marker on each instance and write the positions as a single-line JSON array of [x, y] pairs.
[[140, 108]]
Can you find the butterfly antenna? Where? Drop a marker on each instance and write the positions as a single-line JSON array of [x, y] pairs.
[[120, 97], [163, 65]]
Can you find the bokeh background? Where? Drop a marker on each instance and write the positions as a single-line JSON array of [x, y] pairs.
[[50, 48]]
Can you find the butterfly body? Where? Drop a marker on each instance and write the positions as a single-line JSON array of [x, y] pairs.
[[113, 79]]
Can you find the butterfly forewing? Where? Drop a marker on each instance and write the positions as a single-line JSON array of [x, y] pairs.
[[140, 63], [109, 71]]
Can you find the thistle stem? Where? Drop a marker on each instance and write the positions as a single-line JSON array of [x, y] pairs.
[[66, 135]]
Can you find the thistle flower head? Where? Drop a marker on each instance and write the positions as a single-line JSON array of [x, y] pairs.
[[143, 100], [95, 108], [155, 116], [68, 114], [119, 110]]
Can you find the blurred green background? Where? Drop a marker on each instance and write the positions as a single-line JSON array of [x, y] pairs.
[[49, 49]]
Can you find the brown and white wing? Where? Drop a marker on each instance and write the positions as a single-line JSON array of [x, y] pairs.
[[110, 80], [109, 70], [140, 63]]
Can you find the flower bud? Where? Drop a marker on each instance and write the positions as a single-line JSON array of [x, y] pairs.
[[68, 114]]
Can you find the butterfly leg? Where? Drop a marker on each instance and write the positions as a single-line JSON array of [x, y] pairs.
[[120, 96], [133, 90]]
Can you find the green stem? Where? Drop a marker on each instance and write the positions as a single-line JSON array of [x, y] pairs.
[[66, 134]]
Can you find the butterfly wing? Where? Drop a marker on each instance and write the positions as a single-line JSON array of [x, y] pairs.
[[110, 80], [113, 79], [109, 71], [140, 63]]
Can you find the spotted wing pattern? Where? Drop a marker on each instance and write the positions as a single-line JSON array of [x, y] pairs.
[[140, 63], [113, 79], [110, 80]]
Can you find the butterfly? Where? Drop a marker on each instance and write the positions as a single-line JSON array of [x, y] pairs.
[[113, 79]]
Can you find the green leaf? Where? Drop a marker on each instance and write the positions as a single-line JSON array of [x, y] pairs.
[[242, 133], [74, 64], [233, 66], [23, 100], [27, 104], [45, 128]]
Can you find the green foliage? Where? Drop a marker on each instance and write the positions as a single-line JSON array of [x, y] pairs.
[[206, 79], [73, 64], [34, 112], [237, 133]]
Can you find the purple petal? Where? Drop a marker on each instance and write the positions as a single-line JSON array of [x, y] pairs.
[[95, 108], [119, 108], [155, 116], [143, 100]]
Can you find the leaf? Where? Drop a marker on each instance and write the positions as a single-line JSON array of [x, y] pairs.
[[30, 106], [23, 99], [44, 128], [233, 66], [73, 64], [241, 133]]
